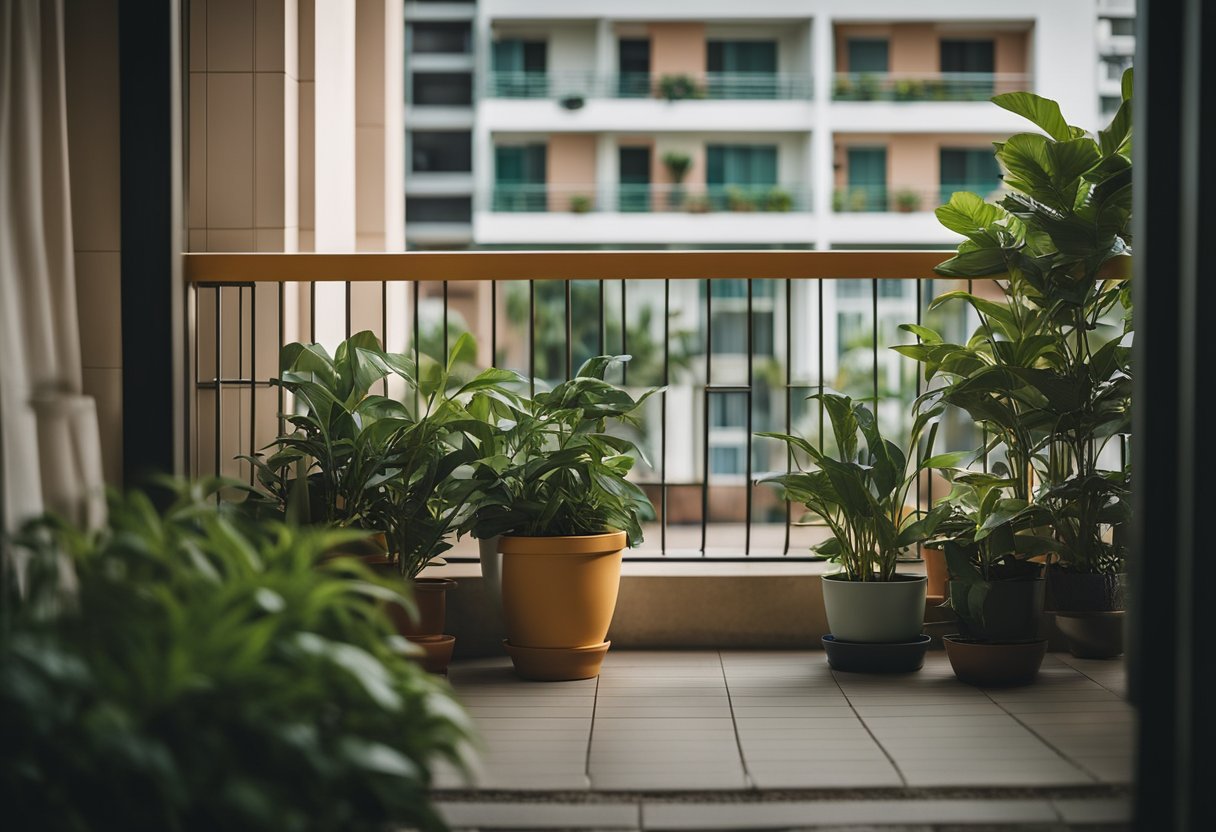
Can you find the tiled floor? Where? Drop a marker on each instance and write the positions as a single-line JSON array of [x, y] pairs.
[[743, 728]]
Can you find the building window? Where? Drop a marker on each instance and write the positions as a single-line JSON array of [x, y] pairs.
[[969, 57], [633, 68], [867, 177], [633, 170], [441, 152], [740, 176], [442, 89], [1110, 105], [519, 178], [1115, 66], [1123, 26], [741, 69], [868, 55], [520, 68], [969, 169], [446, 209], [729, 335], [726, 460], [441, 38]]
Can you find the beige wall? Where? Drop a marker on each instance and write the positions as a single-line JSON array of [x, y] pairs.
[[915, 47], [913, 160], [570, 168], [677, 48], [91, 79]]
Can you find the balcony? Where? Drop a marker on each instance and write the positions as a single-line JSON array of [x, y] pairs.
[[571, 86], [922, 87], [541, 214]]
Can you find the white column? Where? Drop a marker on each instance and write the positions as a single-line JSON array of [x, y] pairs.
[[605, 172], [334, 156], [823, 62], [483, 146], [605, 54]]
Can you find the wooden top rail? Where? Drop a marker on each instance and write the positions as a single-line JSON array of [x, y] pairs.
[[428, 266]]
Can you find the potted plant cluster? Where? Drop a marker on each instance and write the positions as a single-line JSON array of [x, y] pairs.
[[678, 164], [860, 490], [357, 459], [1047, 376], [906, 201], [553, 490], [678, 87], [201, 672]]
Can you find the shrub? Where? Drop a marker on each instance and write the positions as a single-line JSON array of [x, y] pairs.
[[204, 673]]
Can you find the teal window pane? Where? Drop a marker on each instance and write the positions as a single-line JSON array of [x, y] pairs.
[[868, 54], [736, 172], [519, 177], [867, 179], [634, 181], [969, 169], [742, 68], [520, 68], [976, 57]]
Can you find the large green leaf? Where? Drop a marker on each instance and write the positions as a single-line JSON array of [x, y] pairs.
[[1042, 112], [969, 215]]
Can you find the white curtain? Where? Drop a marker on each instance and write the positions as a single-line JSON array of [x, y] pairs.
[[50, 455]]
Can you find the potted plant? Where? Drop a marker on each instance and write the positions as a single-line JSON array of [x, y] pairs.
[[580, 204], [1048, 373], [678, 165], [678, 87], [778, 199], [219, 668], [996, 588], [861, 493], [907, 201], [361, 460], [555, 492]]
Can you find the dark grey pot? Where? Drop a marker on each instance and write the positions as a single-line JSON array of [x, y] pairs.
[[1085, 591], [1092, 635], [1013, 611]]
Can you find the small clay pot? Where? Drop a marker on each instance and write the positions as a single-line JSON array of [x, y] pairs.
[[430, 597], [935, 572], [991, 665], [1092, 635], [437, 652]]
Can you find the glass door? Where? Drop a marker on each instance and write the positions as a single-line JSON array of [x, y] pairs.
[[634, 178]]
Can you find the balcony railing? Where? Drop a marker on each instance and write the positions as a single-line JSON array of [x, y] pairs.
[[937, 86], [737, 339], [574, 87], [641, 198], [886, 199]]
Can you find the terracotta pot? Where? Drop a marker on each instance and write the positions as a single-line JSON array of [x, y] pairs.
[[1085, 591], [875, 611], [559, 593], [984, 664], [935, 571], [430, 597], [1092, 635], [436, 652]]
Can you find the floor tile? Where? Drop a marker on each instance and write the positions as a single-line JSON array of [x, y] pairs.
[[540, 815], [675, 816]]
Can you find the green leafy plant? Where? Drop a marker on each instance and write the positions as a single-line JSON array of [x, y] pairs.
[[556, 471], [581, 204], [368, 461], [679, 87], [740, 199], [678, 164], [989, 535], [907, 201], [1047, 373], [198, 673], [778, 199], [861, 492]]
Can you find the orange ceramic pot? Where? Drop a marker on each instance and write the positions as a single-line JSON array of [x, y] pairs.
[[560, 592], [935, 570], [436, 652]]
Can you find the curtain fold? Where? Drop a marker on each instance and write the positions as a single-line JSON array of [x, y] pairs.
[[50, 454]]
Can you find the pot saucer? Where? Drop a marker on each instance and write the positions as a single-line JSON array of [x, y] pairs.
[[876, 657], [557, 664], [437, 652]]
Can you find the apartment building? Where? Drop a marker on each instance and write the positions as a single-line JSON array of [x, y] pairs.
[[1116, 47], [539, 123]]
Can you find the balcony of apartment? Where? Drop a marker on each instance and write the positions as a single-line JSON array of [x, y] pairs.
[[691, 76], [540, 214], [922, 76]]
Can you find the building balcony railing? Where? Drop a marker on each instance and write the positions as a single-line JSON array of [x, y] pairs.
[[937, 86], [887, 199], [638, 199], [573, 87], [738, 340]]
